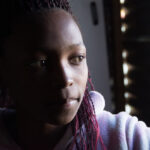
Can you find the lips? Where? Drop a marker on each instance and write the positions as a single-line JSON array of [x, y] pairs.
[[62, 105], [62, 101], [63, 97]]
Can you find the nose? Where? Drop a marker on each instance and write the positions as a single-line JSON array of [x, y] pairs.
[[63, 76]]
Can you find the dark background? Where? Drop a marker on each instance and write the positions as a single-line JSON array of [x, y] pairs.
[[136, 42]]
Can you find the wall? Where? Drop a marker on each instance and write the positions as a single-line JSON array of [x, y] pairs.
[[95, 41]]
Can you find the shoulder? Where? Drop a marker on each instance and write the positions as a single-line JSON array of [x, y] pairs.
[[124, 131], [121, 131]]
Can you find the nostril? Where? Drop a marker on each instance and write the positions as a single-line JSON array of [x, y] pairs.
[[63, 83]]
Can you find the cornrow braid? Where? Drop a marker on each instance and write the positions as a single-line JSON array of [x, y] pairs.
[[32, 5], [11, 9]]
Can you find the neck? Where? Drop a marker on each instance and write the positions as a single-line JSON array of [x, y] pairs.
[[33, 134]]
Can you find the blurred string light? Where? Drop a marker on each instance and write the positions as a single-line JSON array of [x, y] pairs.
[[124, 54], [126, 68], [124, 27], [128, 96], [122, 1], [130, 109], [127, 81], [123, 12]]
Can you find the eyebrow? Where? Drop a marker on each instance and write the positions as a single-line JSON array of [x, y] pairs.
[[72, 46]]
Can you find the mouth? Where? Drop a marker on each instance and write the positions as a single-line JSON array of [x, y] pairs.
[[69, 103], [63, 103]]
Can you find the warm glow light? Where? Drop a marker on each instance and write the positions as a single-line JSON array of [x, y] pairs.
[[128, 108], [125, 68], [126, 81], [124, 27], [124, 54], [123, 13], [126, 95], [122, 1]]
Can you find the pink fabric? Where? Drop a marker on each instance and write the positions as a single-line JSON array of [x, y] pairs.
[[119, 131]]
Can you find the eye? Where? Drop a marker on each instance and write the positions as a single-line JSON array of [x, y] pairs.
[[39, 64], [76, 60], [43, 63]]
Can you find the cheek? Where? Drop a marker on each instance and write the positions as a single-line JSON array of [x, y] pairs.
[[81, 77]]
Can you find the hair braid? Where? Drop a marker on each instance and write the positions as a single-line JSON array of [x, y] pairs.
[[90, 135], [34, 5]]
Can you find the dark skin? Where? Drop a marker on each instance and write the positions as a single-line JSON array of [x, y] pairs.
[[45, 70]]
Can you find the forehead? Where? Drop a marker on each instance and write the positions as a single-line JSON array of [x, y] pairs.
[[52, 29]]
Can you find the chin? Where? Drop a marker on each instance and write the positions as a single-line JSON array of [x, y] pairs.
[[61, 121], [61, 116]]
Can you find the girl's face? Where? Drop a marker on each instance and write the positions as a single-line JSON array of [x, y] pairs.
[[45, 67]]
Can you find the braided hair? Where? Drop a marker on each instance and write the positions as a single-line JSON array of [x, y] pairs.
[[89, 136]]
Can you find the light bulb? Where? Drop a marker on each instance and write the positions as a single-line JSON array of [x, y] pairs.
[[126, 95], [124, 27], [122, 1], [126, 81], [125, 68], [124, 54], [128, 108], [123, 12], [131, 109]]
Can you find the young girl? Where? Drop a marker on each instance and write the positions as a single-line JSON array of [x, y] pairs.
[[44, 79]]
